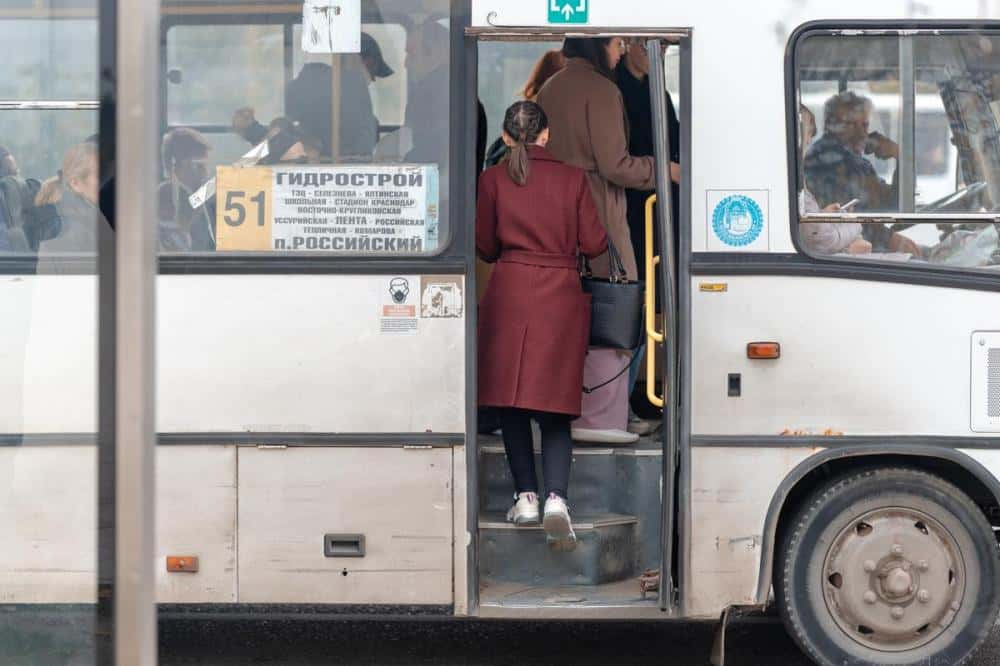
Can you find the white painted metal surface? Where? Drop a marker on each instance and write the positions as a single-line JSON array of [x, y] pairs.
[[399, 499], [859, 358], [237, 354], [196, 516], [48, 524], [728, 508]]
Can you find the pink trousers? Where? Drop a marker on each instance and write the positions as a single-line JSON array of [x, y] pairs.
[[607, 407]]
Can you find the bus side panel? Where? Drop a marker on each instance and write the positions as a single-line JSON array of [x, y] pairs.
[[305, 353], [48, 524], [728, 509], [196, 515], [48, 354], [400, 500], [858, 358]]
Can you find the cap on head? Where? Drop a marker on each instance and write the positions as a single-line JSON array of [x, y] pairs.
[[371, 49]]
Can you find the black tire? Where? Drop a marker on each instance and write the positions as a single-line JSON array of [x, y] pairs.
[[818, 607]]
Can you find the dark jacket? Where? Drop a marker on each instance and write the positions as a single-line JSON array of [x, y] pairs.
[[534, 319], [309, 100], [639, 111]]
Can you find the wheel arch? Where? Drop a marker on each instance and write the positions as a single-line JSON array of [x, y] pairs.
[[953, 465]]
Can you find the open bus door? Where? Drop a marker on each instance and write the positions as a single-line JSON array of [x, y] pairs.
[[661, 327]]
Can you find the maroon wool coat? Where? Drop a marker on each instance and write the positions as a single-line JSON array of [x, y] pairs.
[[534, 319]]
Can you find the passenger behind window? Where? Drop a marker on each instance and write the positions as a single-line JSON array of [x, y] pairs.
[[17, 210], [534, 216], [836, 170], [823, 237], [74, 194], [587, 115], [551, 62], [309, 102], [185, 162], [427, 112]]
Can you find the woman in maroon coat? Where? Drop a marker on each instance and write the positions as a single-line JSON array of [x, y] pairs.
[[535, 216]]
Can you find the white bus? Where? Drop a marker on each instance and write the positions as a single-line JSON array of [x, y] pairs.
[[831, 440]]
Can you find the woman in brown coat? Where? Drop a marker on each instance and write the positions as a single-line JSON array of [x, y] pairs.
[[535, 215], [585, 108]]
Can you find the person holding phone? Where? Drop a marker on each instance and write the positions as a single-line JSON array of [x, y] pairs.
[[836, 170], [825, 237]]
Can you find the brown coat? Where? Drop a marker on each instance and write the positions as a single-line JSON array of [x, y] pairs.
[[534, 319], [588, 130]]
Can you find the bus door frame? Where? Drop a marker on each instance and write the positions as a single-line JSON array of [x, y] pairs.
[[667, 327], [674, 482]]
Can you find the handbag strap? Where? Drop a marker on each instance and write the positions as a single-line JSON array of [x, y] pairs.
[[617, 266], [590, 389]]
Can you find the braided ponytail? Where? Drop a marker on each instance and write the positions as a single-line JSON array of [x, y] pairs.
[[524, 122]]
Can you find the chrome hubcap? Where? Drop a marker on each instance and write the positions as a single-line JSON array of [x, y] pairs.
[[894, 579]]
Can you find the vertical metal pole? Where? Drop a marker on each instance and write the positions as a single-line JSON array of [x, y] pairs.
[[906, 164], [135, 444], [665, 225]]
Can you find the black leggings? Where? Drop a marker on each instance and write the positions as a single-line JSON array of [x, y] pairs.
[[557, 449]]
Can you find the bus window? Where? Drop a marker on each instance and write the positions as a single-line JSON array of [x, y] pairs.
[[272, 143], [52, 65], [902, 127]]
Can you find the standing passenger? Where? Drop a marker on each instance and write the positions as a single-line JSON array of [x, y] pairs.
[[588, 118], [633, 81], [534, 216]]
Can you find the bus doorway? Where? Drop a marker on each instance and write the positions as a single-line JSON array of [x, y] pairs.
[[622, 495]]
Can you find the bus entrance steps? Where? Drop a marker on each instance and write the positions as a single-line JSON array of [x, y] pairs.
[[606, 551], [604, 481]]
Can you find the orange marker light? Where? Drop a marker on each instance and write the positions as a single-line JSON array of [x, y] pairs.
[[182, 564], [763, 350]]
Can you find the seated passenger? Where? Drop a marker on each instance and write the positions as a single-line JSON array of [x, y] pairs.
[[286, 147], [17, 197], [309, 102], [837, 172], [185, 161], [426, 118], [824, 237], [74, 194]]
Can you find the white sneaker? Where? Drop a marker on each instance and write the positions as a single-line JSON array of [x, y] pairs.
[[603, 436], [525, 510], [558, 528]]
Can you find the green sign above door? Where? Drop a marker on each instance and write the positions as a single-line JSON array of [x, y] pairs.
[[568, 11]]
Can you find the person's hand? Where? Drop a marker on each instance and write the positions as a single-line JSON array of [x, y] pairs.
[[900, 243], [883, 147], [832, 208], [859, 246], [675, 172], [243, 118]]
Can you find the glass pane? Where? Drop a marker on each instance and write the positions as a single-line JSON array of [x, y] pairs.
[[854, 145], [49, 190], [278, 141], [49, 59]]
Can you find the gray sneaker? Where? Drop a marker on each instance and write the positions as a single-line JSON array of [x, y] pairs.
[[643, 427]]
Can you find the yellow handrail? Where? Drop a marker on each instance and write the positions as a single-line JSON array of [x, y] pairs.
[[652, 335]]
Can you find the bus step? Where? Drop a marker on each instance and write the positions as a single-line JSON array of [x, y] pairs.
[[607, 551]]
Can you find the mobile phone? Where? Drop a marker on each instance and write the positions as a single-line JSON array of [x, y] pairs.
[[850, 204]]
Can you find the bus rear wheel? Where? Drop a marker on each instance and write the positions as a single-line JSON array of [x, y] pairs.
[[889, 566]]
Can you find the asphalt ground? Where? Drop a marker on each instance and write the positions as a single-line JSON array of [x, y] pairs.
[[750, 642]]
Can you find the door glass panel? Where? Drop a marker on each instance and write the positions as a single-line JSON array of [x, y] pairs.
[[49, 230]]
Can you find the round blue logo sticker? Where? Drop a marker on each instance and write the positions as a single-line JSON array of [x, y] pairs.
[[737, 220]]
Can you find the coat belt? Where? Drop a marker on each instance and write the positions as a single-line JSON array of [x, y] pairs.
[[539, 259]]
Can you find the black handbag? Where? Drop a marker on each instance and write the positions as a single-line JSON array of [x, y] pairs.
[[616, 307]]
